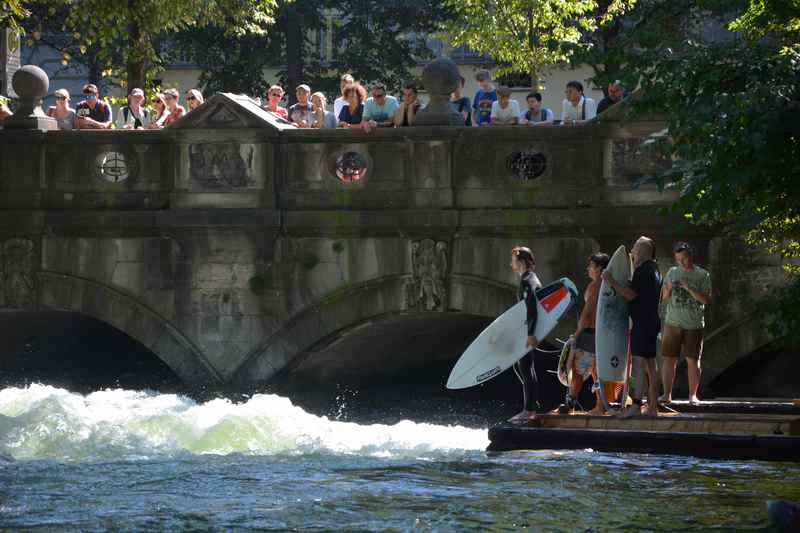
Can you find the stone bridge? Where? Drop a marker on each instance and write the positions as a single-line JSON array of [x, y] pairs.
[[237, 248]]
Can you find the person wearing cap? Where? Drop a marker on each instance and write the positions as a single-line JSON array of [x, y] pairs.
[[65, 116], [194, 99], [133, 116], [176, 111], [93, 113], [302, 114], [505, 111]]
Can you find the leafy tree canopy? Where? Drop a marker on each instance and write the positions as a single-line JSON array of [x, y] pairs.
[[732, 113], [126, 32], [528, 35]]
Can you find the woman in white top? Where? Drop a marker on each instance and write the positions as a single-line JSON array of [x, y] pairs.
[[505, 111], [65, 116]]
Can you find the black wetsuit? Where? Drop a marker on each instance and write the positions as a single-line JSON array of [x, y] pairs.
[[524, 367], [646, 284]]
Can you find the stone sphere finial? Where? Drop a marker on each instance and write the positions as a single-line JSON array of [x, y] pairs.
[[30, 82], [441, 77], [31, 85]]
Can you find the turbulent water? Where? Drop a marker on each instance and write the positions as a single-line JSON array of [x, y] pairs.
[[120, 459]]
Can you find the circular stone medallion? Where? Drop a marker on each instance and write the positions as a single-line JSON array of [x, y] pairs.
[[112, 167]]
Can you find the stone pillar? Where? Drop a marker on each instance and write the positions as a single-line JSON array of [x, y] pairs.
[[9, 60], [31, 84], [441, 78]]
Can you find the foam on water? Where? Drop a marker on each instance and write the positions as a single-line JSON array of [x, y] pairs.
[[44, 422]]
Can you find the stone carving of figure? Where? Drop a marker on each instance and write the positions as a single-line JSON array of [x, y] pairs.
[[429, 262], [18, 288]]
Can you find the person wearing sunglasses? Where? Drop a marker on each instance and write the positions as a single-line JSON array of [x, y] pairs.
[[274, 96], [194, 99], [160, 112], [176, 111], [134, 116], [379, 109], [93, 113], [65, 116]]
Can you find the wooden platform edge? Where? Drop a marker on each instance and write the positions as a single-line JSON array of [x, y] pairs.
[[505, 437]]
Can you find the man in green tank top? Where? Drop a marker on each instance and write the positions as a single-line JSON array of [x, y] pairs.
[[687, 292]]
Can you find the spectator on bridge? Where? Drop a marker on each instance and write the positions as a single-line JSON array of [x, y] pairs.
[[505, 111], [340, 102], [536, 114], [302, 114], [643, 298], [322, 117], [687, 291], [407, 111], [65, 116], [160, 112], [176, 111], [274, 96], [582, 355], [93, 113], [482, 104], [379, 109], [351, 115], [616, 92], [576, 107], [461, 104], [194, 99], [134, 116]]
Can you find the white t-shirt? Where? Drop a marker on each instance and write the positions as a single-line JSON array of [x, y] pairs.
[[571, 112], [509, 115], [338, 104]]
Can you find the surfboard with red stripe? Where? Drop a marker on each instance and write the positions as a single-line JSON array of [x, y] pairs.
[[503, 342]]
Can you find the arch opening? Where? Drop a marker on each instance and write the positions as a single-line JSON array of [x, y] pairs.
[[76, 352], [393, 365]]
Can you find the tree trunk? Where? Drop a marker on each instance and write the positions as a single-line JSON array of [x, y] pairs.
[[294, 52], [531, 44], [137, 61]]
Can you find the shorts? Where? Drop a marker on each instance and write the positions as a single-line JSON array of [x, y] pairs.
[[644, 340], [582, 362], [676, 341]]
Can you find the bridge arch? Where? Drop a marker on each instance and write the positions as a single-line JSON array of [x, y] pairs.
[[377, 320], [64, 292]]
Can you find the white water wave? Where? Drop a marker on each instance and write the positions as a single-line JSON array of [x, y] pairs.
[[44, 422]]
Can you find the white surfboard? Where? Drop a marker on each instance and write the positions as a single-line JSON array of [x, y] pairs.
[[503, 342], [611, 329]]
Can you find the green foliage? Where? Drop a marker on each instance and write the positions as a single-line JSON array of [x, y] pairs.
[[125, 34], [528, 35], [732, 113], [12, 13]]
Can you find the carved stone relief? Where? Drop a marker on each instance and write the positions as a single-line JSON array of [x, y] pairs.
[[633, 159], [17, 280], [526, 166], [222, 166], [427, 290]]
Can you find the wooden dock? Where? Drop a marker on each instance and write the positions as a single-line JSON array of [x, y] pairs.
[[721, 435]]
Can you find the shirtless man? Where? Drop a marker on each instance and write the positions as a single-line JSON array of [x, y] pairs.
[[582, 357]]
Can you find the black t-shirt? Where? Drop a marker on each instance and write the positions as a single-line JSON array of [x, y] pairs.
[[646, 284]]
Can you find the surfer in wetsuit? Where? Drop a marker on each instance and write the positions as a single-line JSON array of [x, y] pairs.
[[523, 263]]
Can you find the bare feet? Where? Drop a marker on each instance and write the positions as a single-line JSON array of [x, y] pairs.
[[694, 400], [631, 411], [597, 410], [652, 412], [664, 398]]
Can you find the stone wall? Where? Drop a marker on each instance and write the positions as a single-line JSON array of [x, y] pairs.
[[236, 247]]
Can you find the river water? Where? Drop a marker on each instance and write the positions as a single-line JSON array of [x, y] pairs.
[[128, 460]]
